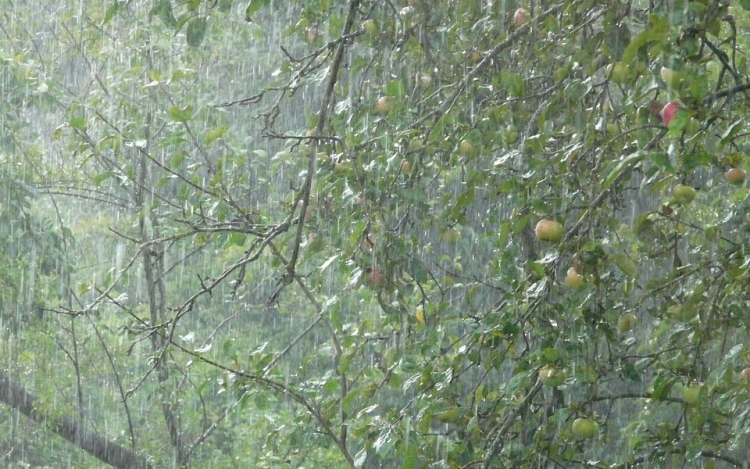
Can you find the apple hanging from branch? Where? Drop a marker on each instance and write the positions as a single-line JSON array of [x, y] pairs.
[[521, 17], [549, 230], [668, 112]]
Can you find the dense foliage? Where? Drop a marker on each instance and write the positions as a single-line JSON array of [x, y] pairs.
[[370, 234]]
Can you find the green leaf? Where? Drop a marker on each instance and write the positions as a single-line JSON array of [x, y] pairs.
[[513, 83], [656, 33], [625, 264], [628, 162], [180, 115], [196, 31], [213, 134], [617, 38], [253, 7], [164, 10], [225, 6], [78, 122], [745, 4], [111, 12], [661, 160]]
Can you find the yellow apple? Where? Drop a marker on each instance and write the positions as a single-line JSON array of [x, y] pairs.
[[736, 176], [406, 167], [745, 374], [383, 105], [549, 230], [521, 17], [573, 279]]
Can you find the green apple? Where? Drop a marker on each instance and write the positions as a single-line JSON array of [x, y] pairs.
[[585, 428], [692, 393], [551, 376], [549, 230], [451, 235], [668, 76], [617, 72], [573, 279], [466, 148], [683, 194], [371, 28], [627, 322], [736, 176]]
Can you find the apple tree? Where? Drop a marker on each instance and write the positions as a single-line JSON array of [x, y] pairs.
[[400, 234]]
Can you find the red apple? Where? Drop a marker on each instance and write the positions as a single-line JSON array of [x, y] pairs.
[[736, 176], [521, 17], [585, 428], [374, 278], [668, 112], [549, 230], [383, 105]]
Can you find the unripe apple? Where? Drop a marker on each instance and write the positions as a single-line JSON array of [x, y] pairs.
[[521, 17], [313, 34], [585, 428], [451, 235], [475, 57], [466, 148], [668, 112], [683, 194], [627, 322], [551, 376], [371, 28], [667, 75], [736, 176], [549, 230], [573, 279], [692, 393], [617, 72], [383, 105]]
